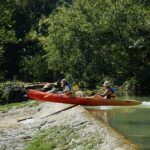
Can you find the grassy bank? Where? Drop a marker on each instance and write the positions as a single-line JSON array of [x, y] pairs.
[[29, 103]]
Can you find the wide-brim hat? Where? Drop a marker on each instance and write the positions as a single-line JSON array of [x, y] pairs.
[[106, 83]]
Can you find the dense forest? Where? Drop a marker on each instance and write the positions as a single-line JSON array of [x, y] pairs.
[[86, 41]]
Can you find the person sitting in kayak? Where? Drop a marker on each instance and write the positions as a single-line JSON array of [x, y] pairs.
[[56, 87], [52, 87], [72, 92], [107, 94], [108, 90], [67, 88], [76, 91]]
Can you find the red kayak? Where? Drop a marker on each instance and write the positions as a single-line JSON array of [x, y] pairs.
[[88, 101]]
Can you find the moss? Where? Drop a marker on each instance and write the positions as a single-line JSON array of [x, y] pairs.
[[63, 137]]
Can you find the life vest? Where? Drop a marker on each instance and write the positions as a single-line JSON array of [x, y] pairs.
[[112, 93], [75, 88], [69, 85], [112, 90]]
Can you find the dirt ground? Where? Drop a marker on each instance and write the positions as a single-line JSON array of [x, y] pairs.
[[19, 126]]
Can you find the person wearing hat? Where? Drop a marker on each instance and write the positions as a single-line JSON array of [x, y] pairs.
[[108, 90], [55, 88], [52, 87], [67, 88], [47, 87]]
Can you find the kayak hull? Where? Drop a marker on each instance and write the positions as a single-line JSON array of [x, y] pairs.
[[87, 101]]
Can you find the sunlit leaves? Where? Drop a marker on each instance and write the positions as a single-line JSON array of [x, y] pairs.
[[90, 39]]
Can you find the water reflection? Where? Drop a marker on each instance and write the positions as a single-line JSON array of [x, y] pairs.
[[132, 121]]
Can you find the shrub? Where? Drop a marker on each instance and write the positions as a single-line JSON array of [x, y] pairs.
[[12, 92]]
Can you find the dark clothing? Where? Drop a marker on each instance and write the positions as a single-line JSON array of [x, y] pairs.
[[109, 95]]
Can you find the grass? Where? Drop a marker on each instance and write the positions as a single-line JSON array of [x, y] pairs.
[[54, 137], [62, 138], [29, 103]]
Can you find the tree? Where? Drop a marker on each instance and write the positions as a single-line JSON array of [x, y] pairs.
[[7, 34], [92, 39]]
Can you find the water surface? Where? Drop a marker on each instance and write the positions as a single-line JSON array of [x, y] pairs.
[[131, 121]]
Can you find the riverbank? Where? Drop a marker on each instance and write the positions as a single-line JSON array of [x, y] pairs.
[[57, 126]]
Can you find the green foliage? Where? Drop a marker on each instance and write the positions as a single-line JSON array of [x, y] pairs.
[[7, 34], [35, 67], [30, 103], [93, 39], [72, 42], [18, 20], [86, 41], [11, 92]]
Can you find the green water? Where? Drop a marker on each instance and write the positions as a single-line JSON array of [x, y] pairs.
[[135, 125], [133, 122]]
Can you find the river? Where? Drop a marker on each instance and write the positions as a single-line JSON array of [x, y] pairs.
[[133, 121]]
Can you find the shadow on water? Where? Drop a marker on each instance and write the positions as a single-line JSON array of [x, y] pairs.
[[133, 121]]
